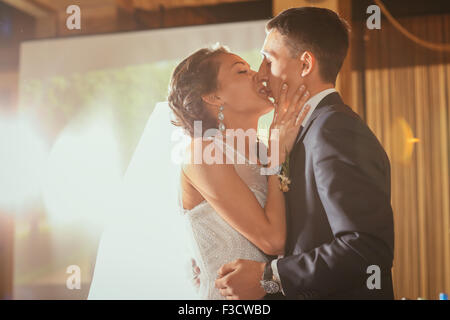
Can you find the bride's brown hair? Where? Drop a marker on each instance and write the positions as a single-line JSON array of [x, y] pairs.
[[194, 77]]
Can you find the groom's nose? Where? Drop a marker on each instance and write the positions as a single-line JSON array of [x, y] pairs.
[[261, 75]]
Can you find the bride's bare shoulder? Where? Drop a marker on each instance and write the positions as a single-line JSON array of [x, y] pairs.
[[203, 156], [193, 154]]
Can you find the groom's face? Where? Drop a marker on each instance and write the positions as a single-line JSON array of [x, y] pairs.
[[278, 65]]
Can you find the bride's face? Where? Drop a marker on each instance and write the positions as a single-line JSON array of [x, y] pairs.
[[238, 88]]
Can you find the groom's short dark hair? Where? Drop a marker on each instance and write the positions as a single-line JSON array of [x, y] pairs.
[[318, 30]]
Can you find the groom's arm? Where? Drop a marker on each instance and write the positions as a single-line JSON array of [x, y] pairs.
[[353, 182]]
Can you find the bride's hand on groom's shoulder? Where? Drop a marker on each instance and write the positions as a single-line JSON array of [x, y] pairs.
[[240, 280], [288, 118]]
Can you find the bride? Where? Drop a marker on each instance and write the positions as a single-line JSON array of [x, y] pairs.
[[233, 210], [231, 201]]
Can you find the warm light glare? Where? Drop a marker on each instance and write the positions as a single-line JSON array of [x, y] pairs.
[[404, 141], [83, 171], [23, 154]]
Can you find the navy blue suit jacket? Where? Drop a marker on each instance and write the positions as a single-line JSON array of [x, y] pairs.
[[338, 209]]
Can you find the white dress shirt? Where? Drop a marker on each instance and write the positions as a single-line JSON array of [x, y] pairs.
[[314, 101]]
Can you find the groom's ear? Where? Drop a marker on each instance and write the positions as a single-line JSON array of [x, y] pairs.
[[212, 99], [307, 62]]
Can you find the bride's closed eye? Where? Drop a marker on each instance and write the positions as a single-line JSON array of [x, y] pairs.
[[243, 71]]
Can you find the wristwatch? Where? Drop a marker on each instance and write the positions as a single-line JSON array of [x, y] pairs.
[[268, 282]]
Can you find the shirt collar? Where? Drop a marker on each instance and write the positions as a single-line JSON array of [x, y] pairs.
[[314, 101]]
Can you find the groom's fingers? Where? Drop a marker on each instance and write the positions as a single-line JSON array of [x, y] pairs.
[[221, 283], [196, 282], [226, 292], [225, 269]]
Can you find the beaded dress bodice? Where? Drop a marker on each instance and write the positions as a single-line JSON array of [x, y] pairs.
[[214, 242]]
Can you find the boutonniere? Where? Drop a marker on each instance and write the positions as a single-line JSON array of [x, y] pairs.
[[284, 175]]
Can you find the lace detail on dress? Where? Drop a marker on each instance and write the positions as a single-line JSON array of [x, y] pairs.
[[214, 242]]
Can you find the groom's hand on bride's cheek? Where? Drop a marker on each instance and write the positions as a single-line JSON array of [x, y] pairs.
[[240, 280]]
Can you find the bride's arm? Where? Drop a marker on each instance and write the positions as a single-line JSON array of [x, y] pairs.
[[224, 190]]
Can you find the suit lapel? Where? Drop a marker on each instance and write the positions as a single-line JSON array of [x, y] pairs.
[[331, 99]]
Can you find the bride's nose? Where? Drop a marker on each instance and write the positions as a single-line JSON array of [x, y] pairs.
[[259, 77], [254, 76]]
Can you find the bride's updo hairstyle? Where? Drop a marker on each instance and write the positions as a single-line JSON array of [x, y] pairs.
[[194, 77]]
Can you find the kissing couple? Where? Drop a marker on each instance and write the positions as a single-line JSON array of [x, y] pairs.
[[320, 216]]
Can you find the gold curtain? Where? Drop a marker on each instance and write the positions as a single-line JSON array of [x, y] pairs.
[[407, 106]]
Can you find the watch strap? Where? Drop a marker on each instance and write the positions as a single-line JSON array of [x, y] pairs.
[[268, 272]]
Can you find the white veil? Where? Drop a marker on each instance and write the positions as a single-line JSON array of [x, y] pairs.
[[143, 253]]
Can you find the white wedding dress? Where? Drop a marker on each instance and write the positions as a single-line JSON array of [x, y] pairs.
[[214, 242], [144, 252]]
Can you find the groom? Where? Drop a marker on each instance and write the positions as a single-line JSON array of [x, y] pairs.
[[340, 234]]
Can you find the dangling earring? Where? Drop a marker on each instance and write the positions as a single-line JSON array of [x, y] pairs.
[[221, 117]]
